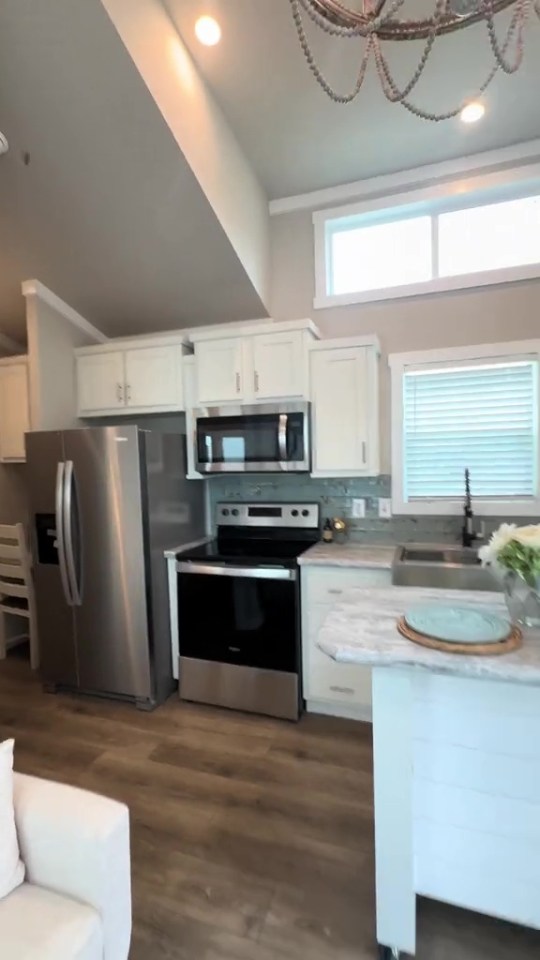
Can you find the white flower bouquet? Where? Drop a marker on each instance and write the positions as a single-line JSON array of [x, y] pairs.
[[514, 554], [516, 549]]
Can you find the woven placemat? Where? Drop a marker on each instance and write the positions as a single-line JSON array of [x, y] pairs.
[[512, 642]]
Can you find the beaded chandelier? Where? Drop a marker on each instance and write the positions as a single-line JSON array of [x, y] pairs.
[[377, 23]]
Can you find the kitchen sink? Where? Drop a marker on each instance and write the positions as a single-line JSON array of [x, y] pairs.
[[434, 565]]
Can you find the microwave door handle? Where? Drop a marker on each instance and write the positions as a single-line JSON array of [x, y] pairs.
[[282, 436]]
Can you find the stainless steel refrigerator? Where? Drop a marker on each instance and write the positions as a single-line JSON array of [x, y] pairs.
[[105, 504]]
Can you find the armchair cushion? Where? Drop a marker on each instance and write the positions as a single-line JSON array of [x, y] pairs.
[[11, 867], [76, 844], [37, 924]]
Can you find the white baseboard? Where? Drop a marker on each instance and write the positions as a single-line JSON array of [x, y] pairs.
[[330, 709]]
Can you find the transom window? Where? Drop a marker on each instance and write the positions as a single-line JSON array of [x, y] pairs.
[[479, 413], [426, 246]]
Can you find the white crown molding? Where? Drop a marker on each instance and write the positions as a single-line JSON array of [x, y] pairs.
[[34, 288], [516, 155], [6, 343]]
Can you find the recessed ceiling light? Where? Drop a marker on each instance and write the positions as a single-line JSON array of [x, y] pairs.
[[472, 112], [4, 145], [208, 31]]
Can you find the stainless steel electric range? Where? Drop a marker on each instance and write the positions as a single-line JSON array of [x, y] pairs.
[[239, 609]]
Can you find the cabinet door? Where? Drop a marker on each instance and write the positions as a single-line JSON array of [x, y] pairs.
[[154, 378], [278, 365], [219, 371], [14, 411], [340, 394], [100, 382]]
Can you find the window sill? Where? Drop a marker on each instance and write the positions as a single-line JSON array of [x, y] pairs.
[[482, 508], [440, 285]]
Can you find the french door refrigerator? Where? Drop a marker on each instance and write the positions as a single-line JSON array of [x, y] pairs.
[[105, 504]]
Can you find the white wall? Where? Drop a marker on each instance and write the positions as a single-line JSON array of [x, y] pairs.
[[485, 315], [52, 337], [199, 126]]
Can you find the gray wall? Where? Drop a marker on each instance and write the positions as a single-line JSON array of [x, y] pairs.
[[488, 315], [485, 315]]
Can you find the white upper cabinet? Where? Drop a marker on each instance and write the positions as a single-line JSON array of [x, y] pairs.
[[131, 379], [345, 413], [278, 365], [100, 382], [14, 411], [220, 371], [254, 364], [153, 378]]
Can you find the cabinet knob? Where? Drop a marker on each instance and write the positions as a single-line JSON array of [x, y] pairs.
[[128, 391], [342, 690], [256, 378], [238, 383]]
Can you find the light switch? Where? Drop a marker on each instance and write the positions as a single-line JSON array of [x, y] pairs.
[[358, 509]]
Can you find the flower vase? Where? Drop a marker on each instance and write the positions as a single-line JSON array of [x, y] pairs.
[[522, 600]]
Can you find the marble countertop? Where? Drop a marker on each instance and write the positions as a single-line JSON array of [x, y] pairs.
[[361, 628], [171, 552], [375, 556]]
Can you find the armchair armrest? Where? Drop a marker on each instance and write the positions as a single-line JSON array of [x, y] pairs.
[[77, 843]]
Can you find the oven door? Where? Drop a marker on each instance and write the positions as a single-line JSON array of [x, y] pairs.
[[258, 439], [245, 616]]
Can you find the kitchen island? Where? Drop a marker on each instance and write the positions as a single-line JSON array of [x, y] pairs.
[[456, 763]]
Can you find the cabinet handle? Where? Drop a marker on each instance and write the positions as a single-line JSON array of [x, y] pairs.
[[119, 393], [363, 451], [342, 689], [256, 378], [335, 591], [128, 391], [238, 383]]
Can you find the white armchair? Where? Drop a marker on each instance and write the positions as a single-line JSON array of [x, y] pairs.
[[75, 903]]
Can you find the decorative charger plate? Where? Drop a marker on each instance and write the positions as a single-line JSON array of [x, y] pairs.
[[474, 625]]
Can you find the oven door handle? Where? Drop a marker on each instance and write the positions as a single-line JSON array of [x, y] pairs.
[[223, 570]]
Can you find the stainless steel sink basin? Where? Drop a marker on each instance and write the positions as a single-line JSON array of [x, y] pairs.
[[434, 565]]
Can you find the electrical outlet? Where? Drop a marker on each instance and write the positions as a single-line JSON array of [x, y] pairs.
[[385, 508], [358, 509]]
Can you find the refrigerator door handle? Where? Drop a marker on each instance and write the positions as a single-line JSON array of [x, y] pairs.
[[68, 534], [59, 504]]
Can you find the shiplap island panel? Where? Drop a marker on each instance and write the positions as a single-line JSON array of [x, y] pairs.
[[456, 763]]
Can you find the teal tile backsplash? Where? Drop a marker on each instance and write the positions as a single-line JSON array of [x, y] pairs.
[[335, 497]]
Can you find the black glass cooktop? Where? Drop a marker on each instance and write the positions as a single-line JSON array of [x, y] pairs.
[[252, 551]]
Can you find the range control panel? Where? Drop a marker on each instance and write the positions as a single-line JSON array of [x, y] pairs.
[[304, 515]]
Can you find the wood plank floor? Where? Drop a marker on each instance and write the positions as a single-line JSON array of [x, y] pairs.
[[252, 839]]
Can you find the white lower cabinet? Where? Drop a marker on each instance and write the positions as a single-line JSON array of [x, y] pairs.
[[340, 689]]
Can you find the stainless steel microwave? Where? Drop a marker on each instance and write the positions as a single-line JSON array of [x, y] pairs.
[[267, 438]]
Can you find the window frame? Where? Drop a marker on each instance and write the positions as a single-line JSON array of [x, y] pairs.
[[514, 184], [401, 362]]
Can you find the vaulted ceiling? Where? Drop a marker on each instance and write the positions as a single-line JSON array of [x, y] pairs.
[[298, 140], [96, 199]]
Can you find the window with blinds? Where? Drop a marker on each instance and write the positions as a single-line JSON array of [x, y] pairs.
[[481, 416]]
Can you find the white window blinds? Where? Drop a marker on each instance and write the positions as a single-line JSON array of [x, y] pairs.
[[483, 417]]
